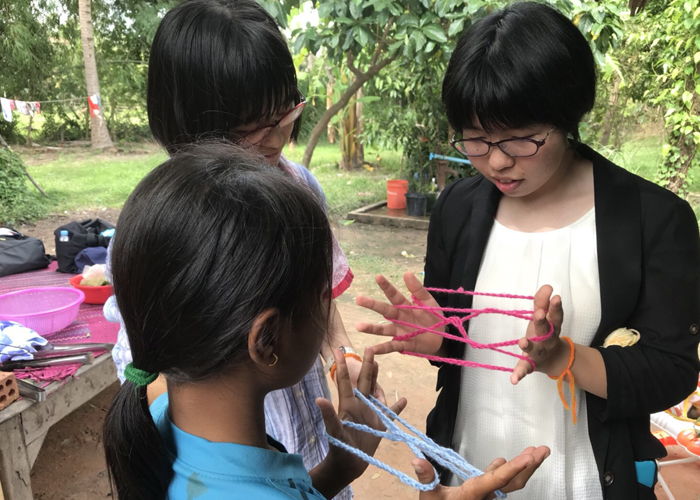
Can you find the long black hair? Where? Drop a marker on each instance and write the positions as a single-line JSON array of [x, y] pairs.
[[216, 65], [523, 65], [206, 242]]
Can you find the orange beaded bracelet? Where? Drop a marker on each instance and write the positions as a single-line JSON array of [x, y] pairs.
[[347, 355], [572, 387]]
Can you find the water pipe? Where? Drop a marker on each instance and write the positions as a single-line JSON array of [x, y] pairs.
[[449, 158]]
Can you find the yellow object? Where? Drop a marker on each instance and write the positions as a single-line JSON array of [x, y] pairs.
[[623, 337]]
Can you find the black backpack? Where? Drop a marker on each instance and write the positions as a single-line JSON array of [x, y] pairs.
[[20, 253], [81, 235]]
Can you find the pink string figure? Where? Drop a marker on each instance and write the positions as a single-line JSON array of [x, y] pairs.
[[458, 323]]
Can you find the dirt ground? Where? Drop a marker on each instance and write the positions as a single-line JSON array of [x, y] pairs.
[[71, 464]]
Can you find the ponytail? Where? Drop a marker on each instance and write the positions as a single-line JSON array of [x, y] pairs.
[[137, 463], [268, 245]]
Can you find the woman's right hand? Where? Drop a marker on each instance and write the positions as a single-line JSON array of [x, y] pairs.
[[500, 475], [425, 343]]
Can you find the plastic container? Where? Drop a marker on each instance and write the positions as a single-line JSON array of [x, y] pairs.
[[93, 294], [45, 310], [416, 203], [64, 236], [396, 194]]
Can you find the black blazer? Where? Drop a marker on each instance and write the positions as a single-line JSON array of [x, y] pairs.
[[649, 267]]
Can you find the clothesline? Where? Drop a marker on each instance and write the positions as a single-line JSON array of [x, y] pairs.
[[50, 101], [32, 107], [60, 100]]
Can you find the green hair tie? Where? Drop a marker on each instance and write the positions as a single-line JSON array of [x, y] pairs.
[[138, 377]]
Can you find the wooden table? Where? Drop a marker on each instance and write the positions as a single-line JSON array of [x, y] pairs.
[[24, 424]]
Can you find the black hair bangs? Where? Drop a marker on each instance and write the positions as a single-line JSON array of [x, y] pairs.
[[216, 65], [524, 65]]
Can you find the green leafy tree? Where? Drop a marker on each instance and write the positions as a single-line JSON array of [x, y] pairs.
[[674, 45], [366, 36], [26, 55], [659, 61], [416, 37], [98, 125]]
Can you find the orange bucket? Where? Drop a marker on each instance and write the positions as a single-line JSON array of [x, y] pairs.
[[396, 194]]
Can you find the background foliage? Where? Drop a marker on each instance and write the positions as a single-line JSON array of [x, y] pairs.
[[647, 115]]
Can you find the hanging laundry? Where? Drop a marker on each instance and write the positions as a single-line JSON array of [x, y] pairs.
[[22, 107], [95, 104], [12, 105], [35, 107], [6, 109]]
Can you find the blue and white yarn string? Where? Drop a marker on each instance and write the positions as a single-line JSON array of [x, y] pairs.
[[420, 444]]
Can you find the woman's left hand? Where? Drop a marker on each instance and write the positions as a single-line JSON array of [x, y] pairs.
[[352, 409], [550, 356]]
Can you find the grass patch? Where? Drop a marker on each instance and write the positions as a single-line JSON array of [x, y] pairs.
[[348, 190], [89, 179], [371, 265], [641, 157]]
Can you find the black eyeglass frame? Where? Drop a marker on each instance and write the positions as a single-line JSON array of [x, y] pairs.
[[537, 142]]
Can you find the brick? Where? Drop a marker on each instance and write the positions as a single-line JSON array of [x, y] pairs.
[[8, 389]]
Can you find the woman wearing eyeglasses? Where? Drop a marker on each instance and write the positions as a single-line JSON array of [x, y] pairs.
[[604, 250], [221, 69]]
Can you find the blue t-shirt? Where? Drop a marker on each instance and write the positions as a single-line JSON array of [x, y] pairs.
[[204, 470]]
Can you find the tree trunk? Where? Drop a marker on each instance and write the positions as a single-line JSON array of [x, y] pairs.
[[359, 146], [353, 154], [329, 103], [29, 131], [322, 124], [609, 119], [348, 143], [99, 135]]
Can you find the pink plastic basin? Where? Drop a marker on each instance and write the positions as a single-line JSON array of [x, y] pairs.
[[45, 310]]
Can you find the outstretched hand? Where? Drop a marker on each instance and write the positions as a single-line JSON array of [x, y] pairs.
[[551, 355], [425, 343], [500, 475], [353, 409]]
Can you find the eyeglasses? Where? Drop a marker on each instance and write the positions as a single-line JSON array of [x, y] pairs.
[[248, 139], [518, 147]]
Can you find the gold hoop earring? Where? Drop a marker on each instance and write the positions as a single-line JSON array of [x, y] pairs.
[[275, 361]]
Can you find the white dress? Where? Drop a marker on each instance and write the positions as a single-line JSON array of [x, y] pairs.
[[497, 419]]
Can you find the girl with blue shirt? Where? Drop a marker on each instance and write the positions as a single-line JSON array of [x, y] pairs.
[[222, 270], [222, 69]]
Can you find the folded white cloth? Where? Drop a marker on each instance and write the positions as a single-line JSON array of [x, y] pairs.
[[17, 342]]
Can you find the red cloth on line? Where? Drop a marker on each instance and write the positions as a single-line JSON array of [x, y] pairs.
[[94, 103]]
